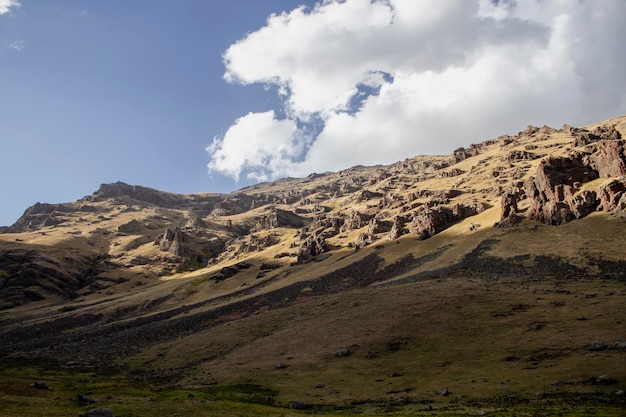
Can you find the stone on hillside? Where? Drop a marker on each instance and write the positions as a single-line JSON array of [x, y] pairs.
[[508, 205], [297, 405], [132, 226], [363, 240], [428, 222], [598, 345], [84, 399], [313, 246], [98, 412], [40, 385], [356, 220], [379, 226], [601, 380], [397, 228], [342, 352]]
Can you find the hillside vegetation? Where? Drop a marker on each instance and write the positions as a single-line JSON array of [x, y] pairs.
[[488, 281]]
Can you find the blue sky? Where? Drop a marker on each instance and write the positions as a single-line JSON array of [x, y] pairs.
[[99, 91], [210, 96]]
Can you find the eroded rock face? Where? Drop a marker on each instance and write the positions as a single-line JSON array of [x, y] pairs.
[[363, 240], [312, 246], [173, 241], [40, 215], [429, 221], [608, 158], [278, 218], [552, 191], [613, 196], [356, 220]]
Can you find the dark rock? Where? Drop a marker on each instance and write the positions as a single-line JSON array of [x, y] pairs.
[[509, 222], [281, 365], [84, 399], [297, 405], [601, 380], [445, 392], [342, 352], [40, 385], [598, 345], [98, 412], [510, 358], [132, 226]]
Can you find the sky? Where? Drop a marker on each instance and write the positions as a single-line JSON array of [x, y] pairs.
[[210, 96]]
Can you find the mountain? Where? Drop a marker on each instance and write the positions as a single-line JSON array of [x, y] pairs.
[[493, 272]]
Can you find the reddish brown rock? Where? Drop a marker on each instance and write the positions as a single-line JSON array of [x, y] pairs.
[[613, 196], [551, 192], [608, 158], [508, 205]]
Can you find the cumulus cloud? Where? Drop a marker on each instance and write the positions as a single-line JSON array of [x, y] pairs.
[[386, 80], [6, 5], [257, 142]]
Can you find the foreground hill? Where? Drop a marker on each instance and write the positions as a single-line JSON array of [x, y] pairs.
[[459, 283]]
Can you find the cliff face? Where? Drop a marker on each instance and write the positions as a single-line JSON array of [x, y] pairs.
[[124, 235]]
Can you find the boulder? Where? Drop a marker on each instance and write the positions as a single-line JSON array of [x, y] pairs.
[[598, 345], [428, 221], [363, 240], [132, 226], [297, 405], [98, 412], [342, 352]]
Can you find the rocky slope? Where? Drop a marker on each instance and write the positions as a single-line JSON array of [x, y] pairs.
[[504, 260], [124, 235]]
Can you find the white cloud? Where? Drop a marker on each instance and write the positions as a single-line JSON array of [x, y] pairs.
[[258, 143], [6, 5], [428, 76], [16, 45]]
